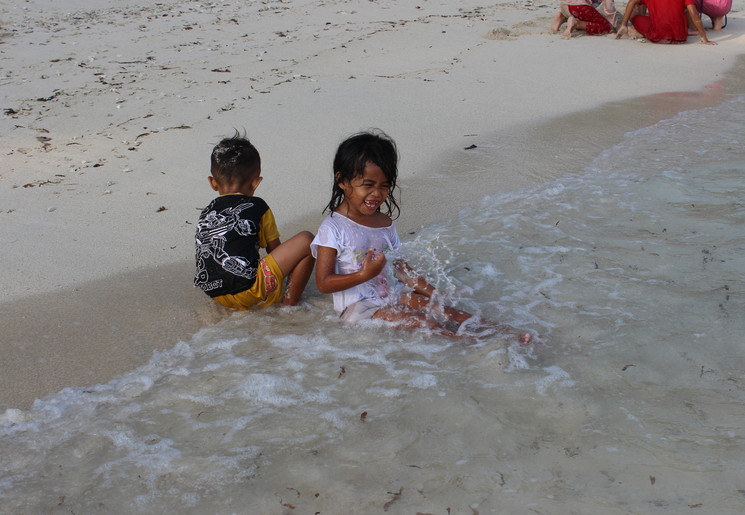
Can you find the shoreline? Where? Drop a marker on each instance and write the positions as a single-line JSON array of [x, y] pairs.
[[94, 195], [104, 145], [563, 152], [106, 342]]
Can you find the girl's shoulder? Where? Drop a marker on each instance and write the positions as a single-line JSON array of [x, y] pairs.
[[381, 221], [339, 231]]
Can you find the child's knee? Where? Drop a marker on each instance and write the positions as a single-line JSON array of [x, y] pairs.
[[306, 237]]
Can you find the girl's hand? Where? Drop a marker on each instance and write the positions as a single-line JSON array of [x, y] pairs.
[[707, 42], [373, 264]]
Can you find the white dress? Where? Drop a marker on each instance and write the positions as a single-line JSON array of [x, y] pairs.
[[351, 242]]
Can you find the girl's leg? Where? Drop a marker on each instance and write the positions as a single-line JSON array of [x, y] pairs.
[[641, 24], [573, 24], [407, 318], [593, 21], [716, 10], [296, 262], [448, 320], [421, 303], [413, 312], [557, 21]]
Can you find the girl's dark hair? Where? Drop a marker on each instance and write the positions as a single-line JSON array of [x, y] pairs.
[[351, 158], [235, 160]]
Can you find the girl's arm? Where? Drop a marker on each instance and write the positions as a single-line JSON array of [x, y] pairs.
[[409, 277], [328, 281], [623, 29], [610, 12], [696, 19]]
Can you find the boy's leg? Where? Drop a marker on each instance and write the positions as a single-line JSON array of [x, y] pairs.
[[296, 262]]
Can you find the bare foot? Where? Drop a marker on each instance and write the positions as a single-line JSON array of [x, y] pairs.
[[570, 27], [557, 21], [717, 23], [630, 32], [634, 34]]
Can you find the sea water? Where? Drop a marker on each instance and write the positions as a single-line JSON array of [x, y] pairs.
[[631, 400]]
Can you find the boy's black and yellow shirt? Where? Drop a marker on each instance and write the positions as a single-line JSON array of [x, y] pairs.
[[230, 232]]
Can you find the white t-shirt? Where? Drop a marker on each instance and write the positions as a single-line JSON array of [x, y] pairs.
[[351, 242]]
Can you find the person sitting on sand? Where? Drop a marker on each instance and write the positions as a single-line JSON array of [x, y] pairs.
[[233, 227], [582, 15], [352, 241], [717, 10], [666, 22]]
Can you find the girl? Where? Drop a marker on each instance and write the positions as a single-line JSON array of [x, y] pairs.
[[666, 22], [717, 10], [582, 15], [352, 243]]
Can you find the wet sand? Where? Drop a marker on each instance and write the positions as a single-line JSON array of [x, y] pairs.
[[96, 140]]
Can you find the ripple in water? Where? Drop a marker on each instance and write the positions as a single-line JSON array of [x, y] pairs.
[[632, 272]]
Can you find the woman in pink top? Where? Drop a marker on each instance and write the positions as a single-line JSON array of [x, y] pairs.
[[666, 22], [717, 10]]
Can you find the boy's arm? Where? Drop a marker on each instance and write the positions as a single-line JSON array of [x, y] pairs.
[[271, 245], [268, 232]]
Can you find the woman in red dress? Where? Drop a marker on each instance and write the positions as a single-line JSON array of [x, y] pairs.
[[666, 22]]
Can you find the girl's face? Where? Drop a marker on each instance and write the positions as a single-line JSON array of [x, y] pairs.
[[364, 194]]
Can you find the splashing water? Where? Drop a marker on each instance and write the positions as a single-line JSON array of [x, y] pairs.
[[632, 273]]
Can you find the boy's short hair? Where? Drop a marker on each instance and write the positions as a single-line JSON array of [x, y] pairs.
[[235, 160]]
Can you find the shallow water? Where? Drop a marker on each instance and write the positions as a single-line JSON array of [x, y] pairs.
[[630, 270]]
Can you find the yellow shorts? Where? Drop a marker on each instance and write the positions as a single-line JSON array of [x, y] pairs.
[[267, 289]]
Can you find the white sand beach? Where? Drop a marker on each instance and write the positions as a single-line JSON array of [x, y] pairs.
[[111, 109]]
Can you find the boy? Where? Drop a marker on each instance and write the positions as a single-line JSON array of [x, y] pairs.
[[233, 228]]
